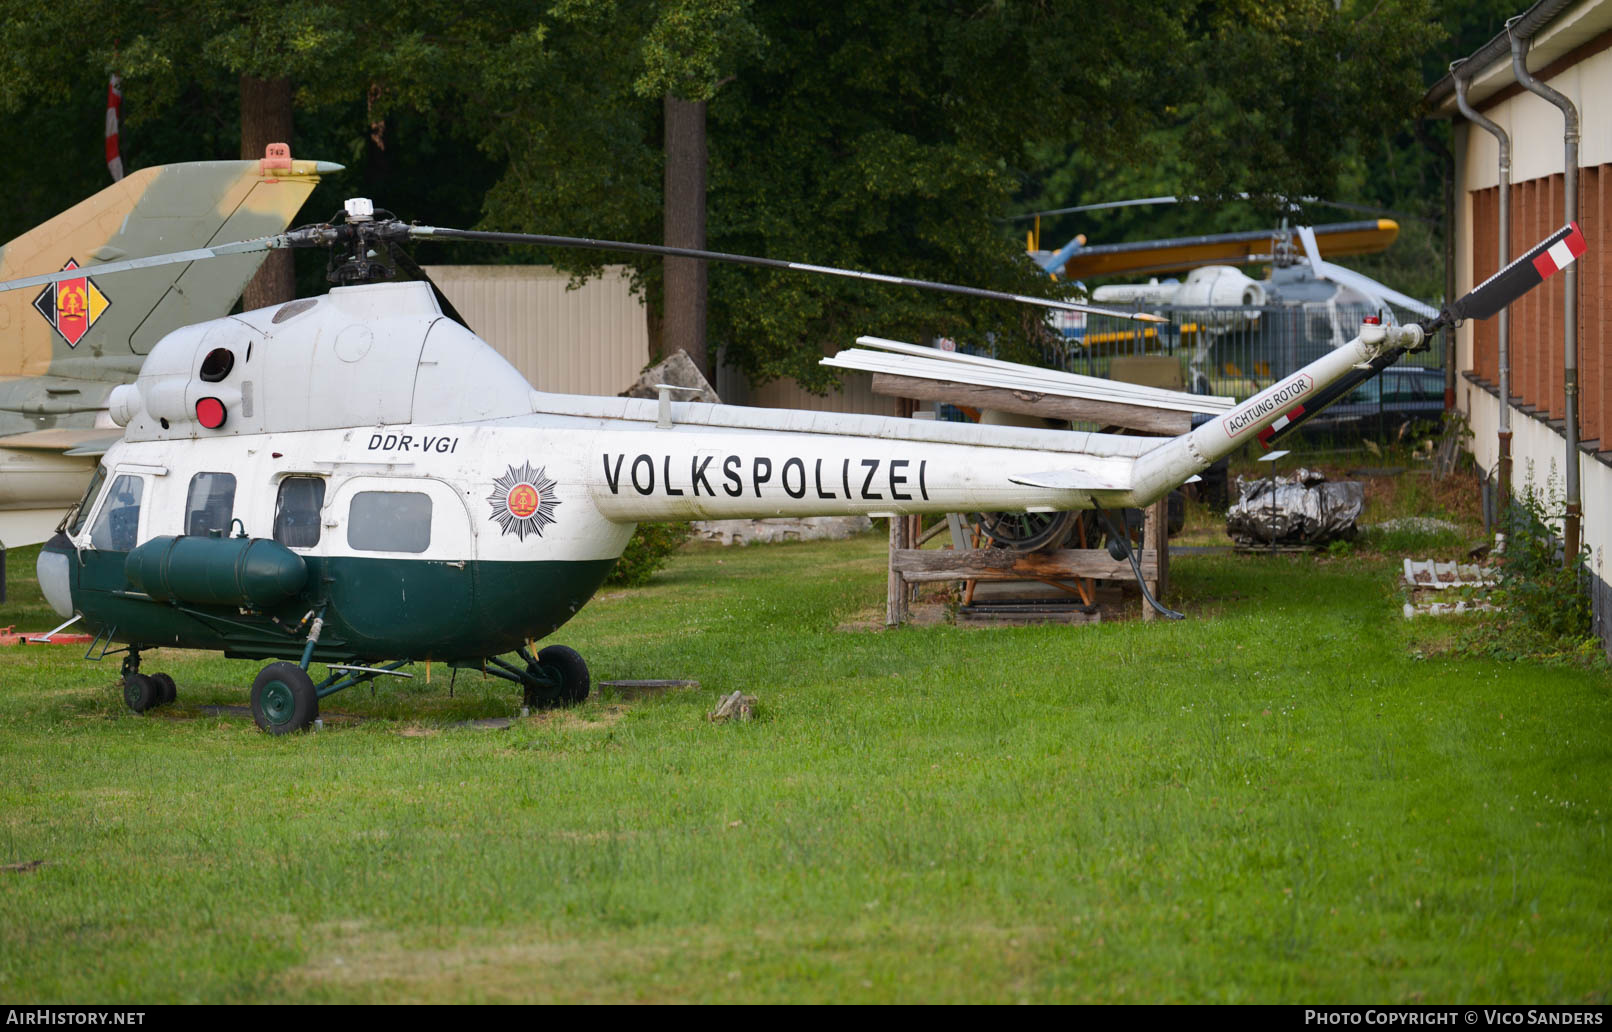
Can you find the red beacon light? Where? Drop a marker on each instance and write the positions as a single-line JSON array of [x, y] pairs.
[[210, 413], [1372, 320]]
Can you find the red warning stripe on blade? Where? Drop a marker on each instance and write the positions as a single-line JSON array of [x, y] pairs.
[[1550, 256], [1266, 434], [1561, 254]]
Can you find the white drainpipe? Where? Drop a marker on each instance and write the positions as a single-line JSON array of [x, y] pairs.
[[1461, 82], [1519, 63]]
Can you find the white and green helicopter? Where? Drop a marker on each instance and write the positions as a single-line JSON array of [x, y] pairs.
[[358, 480]]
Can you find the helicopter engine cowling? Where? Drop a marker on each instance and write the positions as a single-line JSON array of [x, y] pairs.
[[254, 572], [1220, 285]]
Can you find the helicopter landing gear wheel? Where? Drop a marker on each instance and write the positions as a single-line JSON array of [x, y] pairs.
[[141, 692], [1024, 531], [170, 691], [283, 699], [566, 669]]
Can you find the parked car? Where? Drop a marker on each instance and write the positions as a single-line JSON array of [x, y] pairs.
[[1388, 401]]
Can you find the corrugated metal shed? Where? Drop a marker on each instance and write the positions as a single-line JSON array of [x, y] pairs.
[[592, 340]]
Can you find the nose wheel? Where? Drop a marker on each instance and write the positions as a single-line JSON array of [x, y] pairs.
[[143, 692]]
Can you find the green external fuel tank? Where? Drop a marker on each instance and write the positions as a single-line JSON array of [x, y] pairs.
[[255, 572]]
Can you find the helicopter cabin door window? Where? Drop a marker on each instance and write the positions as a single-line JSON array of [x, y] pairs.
[[87, 503], [210, 505], [389, 521], [296, 511], [117, 528]]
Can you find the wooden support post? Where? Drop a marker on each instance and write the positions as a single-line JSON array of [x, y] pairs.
[[895, 602], [1164, 548], [1156, 536]]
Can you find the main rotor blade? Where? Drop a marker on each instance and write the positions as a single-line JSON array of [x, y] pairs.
[[438, 233], [152, 261]]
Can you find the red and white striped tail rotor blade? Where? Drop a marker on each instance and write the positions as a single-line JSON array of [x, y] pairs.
[[1550, 256]]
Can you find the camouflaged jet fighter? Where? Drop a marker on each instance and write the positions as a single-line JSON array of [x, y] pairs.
[[66, 345]]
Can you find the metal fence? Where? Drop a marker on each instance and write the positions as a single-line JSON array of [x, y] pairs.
[[1235, 351], [1238, 351]]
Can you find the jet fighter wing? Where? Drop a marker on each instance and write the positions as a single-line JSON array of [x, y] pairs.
[[74, 443]]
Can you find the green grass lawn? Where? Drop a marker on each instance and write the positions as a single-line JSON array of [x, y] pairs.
[[1288, 797]]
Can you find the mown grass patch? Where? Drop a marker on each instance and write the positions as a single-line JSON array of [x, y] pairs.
[[1274, 800]]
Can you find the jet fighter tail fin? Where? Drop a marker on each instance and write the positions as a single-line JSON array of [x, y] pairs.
[[86, 328]]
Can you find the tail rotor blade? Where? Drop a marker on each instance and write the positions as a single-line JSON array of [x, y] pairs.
[[1550, 256], [438, 233], [1555, 253]]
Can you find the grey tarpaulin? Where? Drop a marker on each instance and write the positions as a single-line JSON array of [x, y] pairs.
[[1302, 509]]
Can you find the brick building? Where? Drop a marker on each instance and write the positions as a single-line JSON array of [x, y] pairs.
[[1569, 49]]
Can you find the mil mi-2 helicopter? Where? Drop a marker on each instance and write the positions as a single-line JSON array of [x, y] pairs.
[[359, 480]]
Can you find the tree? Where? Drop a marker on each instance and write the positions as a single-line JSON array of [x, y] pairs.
[[890, 137], [325, 58], [856, 132], [859, 134], [688, 53]]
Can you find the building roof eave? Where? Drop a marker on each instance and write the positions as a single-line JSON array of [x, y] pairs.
[[1556, 27]]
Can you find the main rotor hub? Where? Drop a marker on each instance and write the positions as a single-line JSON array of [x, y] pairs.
[[362, 240]]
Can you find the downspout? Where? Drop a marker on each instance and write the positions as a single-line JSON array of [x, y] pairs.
[[1461, 83], [1519, 63]]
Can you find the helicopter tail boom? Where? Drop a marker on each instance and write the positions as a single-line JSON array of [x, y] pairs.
[[1162, 469], [716, 462]]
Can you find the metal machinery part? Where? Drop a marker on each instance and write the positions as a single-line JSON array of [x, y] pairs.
[[1024, 531], [1034, 531]]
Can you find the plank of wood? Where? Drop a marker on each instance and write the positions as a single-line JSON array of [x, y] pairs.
[[1001, 564], [1029, 403], [1155, 530], [977, 615], [895, 599]]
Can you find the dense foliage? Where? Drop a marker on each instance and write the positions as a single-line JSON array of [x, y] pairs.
[[1541, 591], [884, 136], [650, 549]]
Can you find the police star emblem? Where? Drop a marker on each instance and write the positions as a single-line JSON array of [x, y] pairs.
[[523, 501], [72, 306]]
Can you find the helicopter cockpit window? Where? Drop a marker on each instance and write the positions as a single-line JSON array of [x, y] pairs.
[[389, 521], [296, 511], [211, 504], [119, 522], [88, 501]]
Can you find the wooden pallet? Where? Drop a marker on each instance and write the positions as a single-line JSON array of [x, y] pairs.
[[1029, 611]]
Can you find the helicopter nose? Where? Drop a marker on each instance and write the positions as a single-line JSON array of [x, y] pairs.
[[54, 569]]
